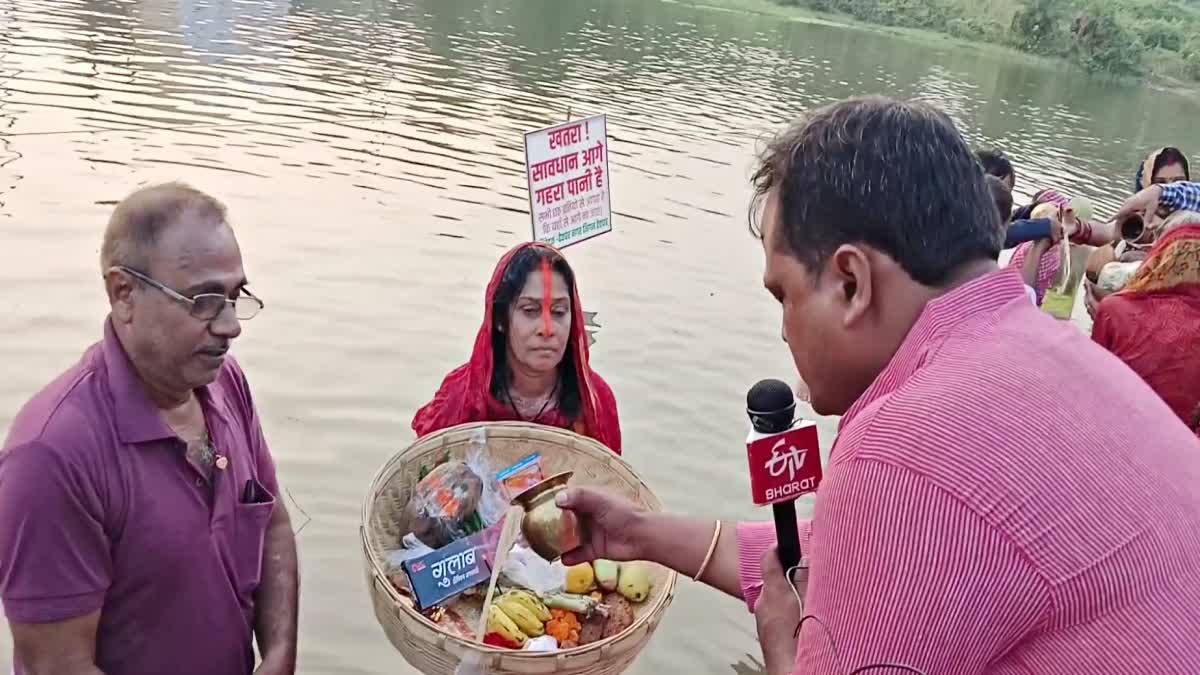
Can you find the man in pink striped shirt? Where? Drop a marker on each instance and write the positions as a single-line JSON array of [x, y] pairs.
[[1004, 497]]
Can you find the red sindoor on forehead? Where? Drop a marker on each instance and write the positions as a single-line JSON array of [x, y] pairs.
[[547, 285]]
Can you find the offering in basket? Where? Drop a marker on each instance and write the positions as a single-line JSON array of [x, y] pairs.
[[521, 476], [441, 575], [531, 614]]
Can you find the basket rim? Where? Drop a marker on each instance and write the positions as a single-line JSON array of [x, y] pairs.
[[660, 603]]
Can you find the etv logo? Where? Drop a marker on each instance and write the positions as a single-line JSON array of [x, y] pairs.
[[791, 461], [783, 466]]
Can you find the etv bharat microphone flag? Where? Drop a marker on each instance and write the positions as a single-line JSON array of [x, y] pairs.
[[784, 466]]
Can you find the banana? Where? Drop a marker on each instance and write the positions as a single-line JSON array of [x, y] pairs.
[[525, 619], [530, 602], [499, 622]]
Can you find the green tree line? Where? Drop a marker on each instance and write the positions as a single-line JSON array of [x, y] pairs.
[[1123, 37]]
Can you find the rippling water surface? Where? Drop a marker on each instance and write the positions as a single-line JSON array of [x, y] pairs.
[[370, 153]]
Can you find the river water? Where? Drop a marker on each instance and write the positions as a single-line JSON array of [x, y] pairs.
[[370, 152]]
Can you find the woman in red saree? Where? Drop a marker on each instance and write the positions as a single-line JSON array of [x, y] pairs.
[[1153, 323], [530, 361]]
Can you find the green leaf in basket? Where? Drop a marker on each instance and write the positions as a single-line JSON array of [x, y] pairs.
[[473, 523]]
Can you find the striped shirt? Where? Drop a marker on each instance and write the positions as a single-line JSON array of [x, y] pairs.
[[1006, 498], [1051, 261], [1047, 269]]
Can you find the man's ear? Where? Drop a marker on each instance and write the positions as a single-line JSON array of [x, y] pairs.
[[851, 269], [119, 287]]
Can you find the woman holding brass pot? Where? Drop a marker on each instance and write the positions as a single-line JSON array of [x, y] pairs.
[[1125, 239], [1138, 222]]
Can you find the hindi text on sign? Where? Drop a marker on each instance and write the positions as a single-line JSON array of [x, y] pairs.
[[561, 138], [566, 169], [594, 154], [556, 166], [551, 194]]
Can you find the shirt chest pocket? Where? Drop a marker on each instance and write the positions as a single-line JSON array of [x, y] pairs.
[[250, 522]]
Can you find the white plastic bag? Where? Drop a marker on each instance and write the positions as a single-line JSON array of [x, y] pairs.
[[545, 643], [1114, 275], [412, 548], [526, 569], [492, 503]]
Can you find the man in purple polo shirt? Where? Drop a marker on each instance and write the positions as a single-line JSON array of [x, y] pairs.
[[140, 521]]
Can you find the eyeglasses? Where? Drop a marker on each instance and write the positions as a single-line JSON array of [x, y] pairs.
[[205, 306]]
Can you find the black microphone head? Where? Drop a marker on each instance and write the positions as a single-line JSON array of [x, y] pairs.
[[771, 406]]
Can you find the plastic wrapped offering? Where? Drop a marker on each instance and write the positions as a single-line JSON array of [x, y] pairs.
[[493, 502], [442, 503], [526, 569], [521, 476], [1114, 275]]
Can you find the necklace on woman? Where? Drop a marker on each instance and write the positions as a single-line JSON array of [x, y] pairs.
[[512, 401]]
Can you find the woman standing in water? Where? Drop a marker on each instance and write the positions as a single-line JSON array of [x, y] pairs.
[[530, 361], [1153, 323], [1165, 165], [1161, 167]]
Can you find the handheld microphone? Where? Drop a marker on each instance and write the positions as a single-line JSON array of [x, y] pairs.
[[785, 460]]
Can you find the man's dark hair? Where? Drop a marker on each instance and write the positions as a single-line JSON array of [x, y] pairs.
[[1002, 196], [894, 175], [995, 163]]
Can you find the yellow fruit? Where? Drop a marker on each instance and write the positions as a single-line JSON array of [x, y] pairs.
[[526, 622], [634, 582], [580, 578], [530, 602], [499, 622]]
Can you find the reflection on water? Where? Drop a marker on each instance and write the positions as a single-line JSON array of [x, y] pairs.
[[214, 29], [370, 151]]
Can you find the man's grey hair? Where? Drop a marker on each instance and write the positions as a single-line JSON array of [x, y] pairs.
[[140, 219]]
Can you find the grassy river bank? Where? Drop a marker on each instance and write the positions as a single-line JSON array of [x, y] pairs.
[[1135, 40]]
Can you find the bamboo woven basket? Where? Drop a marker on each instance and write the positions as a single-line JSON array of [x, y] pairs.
[[433, 651]]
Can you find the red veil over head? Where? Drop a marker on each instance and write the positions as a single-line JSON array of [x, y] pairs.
[[466, 396]]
